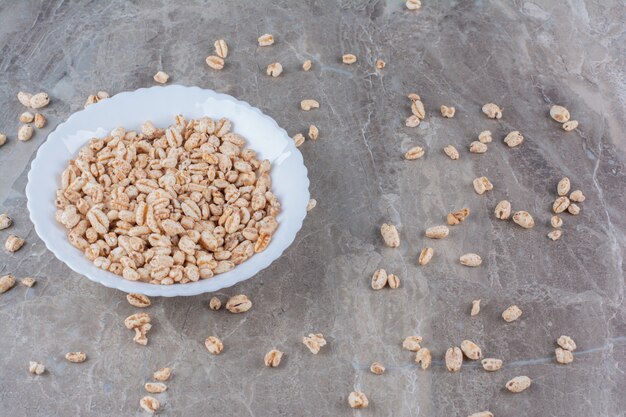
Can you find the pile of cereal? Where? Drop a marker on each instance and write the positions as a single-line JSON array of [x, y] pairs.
[[171, 205]]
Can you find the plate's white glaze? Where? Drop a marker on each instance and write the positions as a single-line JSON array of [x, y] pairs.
[[160, 105]]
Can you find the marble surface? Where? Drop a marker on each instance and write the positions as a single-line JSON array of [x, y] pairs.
[[520, 54]]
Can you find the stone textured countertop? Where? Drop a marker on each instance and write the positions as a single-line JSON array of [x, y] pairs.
[[523, 55]]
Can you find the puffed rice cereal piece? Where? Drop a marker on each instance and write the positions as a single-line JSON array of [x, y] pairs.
[[314, 342], [36, 368], [492, 111], [272, 358], [357, 399], [348, 59], [447, 112], [518, 384], [266, 40], [14, 243], [512, 313], [161, 77]]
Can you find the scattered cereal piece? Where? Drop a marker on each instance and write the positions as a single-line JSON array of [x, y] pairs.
[[390, 235], [412, 343], [266, 40], [25, 133], [298, 139], [6, 283], [482, 184], [377, 368], [314, 342], [36, 368], [3, 139], [274, 69], [503, 210], [221, 48], [138, 300], [566, 343], [447, 112], [40, 121], [417, 107], [357, 399], [141, 334], [492, 111], [451, 152], [5, 221], [471, 259], [136, 320], [555, 234], [556, 221], [518, 384], [471, 350], [380, 64], [155, 387], [485, 136], [215, 62], [524, 219], [93, 99], [563, 356], [213, 345], [39, 100], [379, 279], [437, 232], [272, 358], [24, 98], [415, 152], [215, 304], [573, 209], [149, 404], [514, 139], [458, 216], [477, 147], [161, 77], [348, 59], [563, 186], [454, 359], [491, 364], [306, 65], [560, 204], [424, 358], [26, 117], [309, 104], [28, 282], [393, 281], [425, 256], [482, 414], [238, 304], [570, 125], [311, 204], [475, 308], [13, 243], [76, 357], [559, 113], [162, 374], [511, 314], [412, 121], [413, 4], [314, 132], [577, 196]]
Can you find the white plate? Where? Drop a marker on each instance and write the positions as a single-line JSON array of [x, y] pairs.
[[160, 104]]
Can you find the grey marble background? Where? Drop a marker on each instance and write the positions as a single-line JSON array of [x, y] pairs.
[[523, 55]]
